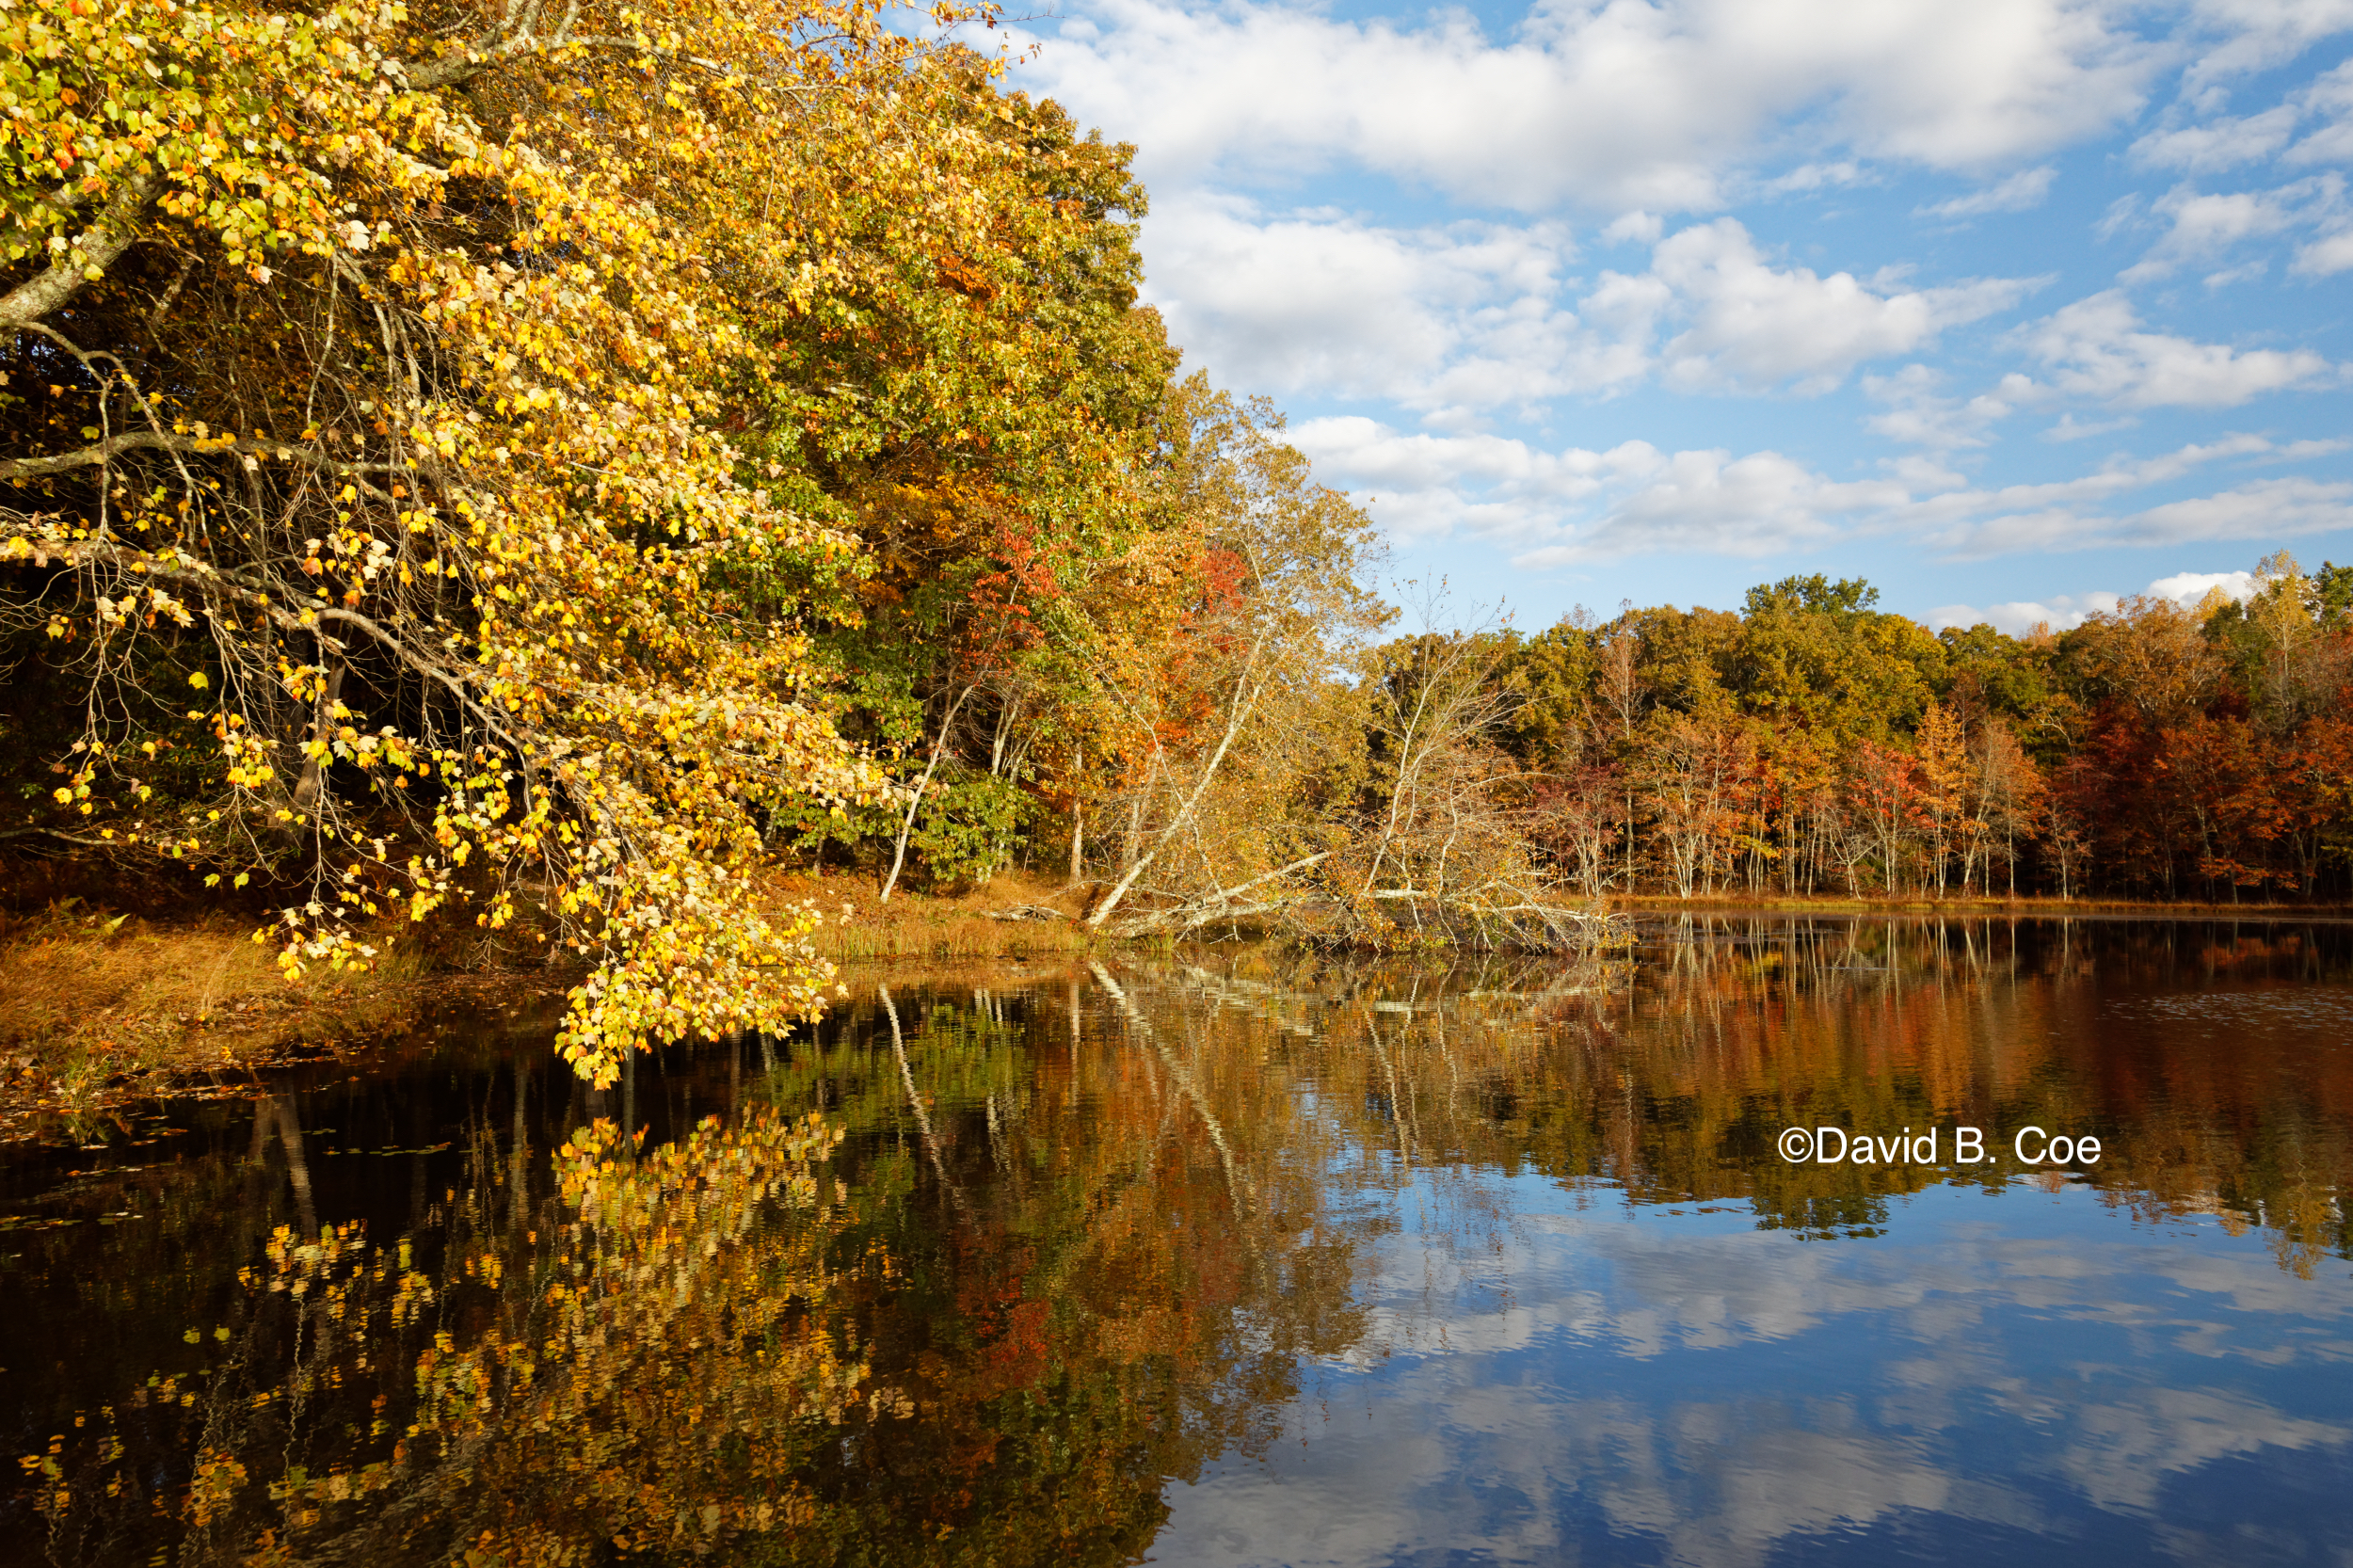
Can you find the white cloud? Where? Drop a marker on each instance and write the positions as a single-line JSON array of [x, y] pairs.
[[2191, 587], [1428, 485], [1658, 106], [2022, 192], [2262, 33], [1917, 416], [1643, 228], [1639, 114], [1577, 504], [2208, 223], [2070, 428], [2096, 350], [1557, 508], [2265, 509], [1466, 316], [1714, 503], [2328, 97], [2017, 619], [2063, 611], [1473, 316], [2328, 254], [2246, 272], [1753, 326], [2223, 143]]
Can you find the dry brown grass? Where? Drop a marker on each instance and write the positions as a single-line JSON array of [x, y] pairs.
[[89, 998], [96, 1007], [970, 924]]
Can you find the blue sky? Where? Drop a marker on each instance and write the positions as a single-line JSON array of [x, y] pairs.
[[2011, 306]]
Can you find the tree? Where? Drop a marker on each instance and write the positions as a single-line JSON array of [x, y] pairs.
[[441, 431], [1225, 705]]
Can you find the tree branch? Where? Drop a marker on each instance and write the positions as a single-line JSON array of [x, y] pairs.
[[98, 454], [90, 254]]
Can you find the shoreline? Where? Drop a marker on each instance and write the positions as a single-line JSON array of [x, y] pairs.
[[2039, 907], [101, 1010]]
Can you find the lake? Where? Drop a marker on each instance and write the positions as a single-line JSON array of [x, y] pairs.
[[1780, 1239]]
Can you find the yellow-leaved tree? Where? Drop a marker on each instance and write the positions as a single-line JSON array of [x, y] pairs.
[[381, 387]]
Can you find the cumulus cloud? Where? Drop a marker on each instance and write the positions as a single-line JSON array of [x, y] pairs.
[[1754, 324], [1577, 504], [2321, 110], [1472, 316], [1428, 485], [1657, 106], [1646, 119], [2329, 100], [2257, 34], [2095, 349], [1917, 415], [2205, 224], [2020, 617], [1761, 504], [2191, 587], [1456, 315], [2063, 611], [2330, 253], [2265, 508], [1550, 509]]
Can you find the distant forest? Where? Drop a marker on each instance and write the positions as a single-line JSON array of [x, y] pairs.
[[1811, 743]]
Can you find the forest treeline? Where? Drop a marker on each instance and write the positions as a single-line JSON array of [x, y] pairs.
[[545, 467], [1811, 743]]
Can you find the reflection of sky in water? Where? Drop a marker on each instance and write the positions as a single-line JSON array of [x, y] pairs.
[[2014, 1379]]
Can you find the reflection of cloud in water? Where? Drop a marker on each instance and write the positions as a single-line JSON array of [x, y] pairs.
[[2123, 1452], [1559, 1389]]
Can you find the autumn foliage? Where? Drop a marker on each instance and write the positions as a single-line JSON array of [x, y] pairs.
[[539, 468], [1813, 745], [484, 461]]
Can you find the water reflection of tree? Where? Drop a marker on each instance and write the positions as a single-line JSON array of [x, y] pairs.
[[637, 1360], [1112, 1253], [1084, 1237], [1671, 1079], [990, 1331]]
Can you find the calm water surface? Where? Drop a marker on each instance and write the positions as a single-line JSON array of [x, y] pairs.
[[1243, 1259]]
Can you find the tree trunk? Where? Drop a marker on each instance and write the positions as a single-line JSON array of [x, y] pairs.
[[915, 802], [1243, 705]]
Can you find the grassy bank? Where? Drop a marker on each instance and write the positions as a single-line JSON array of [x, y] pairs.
[[99, 1007], [1013, 916], [95, 1004]]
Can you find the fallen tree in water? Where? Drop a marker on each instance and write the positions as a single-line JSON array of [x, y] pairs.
[[1293, 901]]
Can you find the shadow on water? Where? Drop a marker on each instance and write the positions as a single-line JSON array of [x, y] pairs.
[[1249, 1257]]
